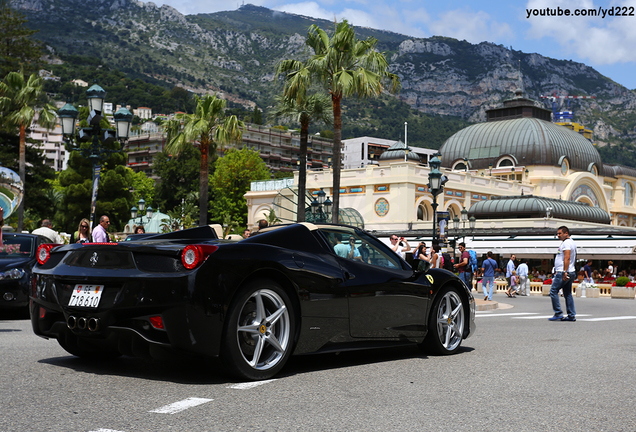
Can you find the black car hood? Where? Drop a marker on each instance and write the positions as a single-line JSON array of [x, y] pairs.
[[9, 263]]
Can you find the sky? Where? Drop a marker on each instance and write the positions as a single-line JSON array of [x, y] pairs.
[[606, 43]]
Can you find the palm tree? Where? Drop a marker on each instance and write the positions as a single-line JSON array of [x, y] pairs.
[[17, 108], [345, 66], [209, 127], [303, 110]]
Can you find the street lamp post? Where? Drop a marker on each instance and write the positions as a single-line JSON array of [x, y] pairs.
[[99, 139], [139, 211], [436, 183], [321, 207]]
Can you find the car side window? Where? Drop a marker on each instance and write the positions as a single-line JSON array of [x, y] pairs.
[[358, 247]]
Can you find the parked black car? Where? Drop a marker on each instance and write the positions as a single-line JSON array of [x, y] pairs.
[[299, 289], [17, 257]]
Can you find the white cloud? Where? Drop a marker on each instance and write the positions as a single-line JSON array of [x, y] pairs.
[[606, 40], [475, 27]]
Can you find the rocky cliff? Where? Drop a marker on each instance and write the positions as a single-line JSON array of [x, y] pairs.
[[234, 53]]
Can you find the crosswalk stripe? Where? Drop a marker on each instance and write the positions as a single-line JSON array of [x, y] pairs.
[[544, 317], [607, 318], [505, 314], [181, 405], [249, 385]]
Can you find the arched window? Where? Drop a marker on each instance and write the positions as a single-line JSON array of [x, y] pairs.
[[460, 166], [505, 163], [629, 195], [422, 212]]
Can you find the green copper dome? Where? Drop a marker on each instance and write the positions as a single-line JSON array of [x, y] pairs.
[[529, 141]]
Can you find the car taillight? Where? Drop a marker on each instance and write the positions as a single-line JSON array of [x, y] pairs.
[[157, 322], [43, 252], [193, 255]]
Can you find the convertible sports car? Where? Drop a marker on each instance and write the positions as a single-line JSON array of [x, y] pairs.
[[300, 289]]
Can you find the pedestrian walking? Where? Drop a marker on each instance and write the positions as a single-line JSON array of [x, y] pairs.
[[83, 233], [510, 267], [587, 269], [463, 268], [563, 277], [524, 282], [488, 267], [46, 231], [99, 232], [514, 285]]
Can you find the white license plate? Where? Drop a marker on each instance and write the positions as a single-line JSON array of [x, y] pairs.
[[86, 296]]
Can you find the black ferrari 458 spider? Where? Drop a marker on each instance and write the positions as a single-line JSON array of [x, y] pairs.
[[290, 289]]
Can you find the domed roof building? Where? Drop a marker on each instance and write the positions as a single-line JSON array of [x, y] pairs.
[[520, 134], [400, 150]]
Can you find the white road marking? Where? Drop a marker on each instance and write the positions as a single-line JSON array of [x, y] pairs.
[[249, 385], [105, 430], [606, 318], [181, 405], [544, 317], [507, 314]]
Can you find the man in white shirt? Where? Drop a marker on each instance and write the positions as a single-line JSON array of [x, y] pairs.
[[563, 277], [46, 231], [99, 232], [399, 247], [522, 273]]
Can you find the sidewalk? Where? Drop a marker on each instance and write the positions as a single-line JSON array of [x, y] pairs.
[[484, 305]]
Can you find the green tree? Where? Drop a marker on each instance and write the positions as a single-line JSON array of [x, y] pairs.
[[143, 187], [257, 116], [303, 110], [209, 127], [17, 110], [178, 176], [231, 180], [345, 67], [18, 52]]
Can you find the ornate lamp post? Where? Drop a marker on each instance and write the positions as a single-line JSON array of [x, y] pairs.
[[99, 139], [436, 183], [321, 207], [134, 212]]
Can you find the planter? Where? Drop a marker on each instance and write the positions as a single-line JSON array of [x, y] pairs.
[[623, 292], [545, 289]]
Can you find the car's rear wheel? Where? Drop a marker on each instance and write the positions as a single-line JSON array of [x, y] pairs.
[[446, 323], [73, 346], [259, 331]]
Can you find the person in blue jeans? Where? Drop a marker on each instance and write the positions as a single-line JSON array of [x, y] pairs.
[[565, 273], [463, 268], [488, 267]]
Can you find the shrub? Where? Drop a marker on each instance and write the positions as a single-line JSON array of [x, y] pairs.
[[622, 281]]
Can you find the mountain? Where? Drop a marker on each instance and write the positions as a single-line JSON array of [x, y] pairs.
[[234, 53]]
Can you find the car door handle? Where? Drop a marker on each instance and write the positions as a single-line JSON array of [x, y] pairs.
[[349, 276]]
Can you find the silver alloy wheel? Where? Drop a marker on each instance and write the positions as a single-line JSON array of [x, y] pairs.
[[450, 320], [264, 329]]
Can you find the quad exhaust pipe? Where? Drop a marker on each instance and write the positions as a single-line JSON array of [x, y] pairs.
[[82, 323]]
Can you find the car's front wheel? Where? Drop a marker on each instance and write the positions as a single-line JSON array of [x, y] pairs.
[[446, 323], [259, 331]]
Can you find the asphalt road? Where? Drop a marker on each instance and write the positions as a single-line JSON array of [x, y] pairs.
[[520, 372]]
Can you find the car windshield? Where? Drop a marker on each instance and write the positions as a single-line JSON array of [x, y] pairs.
[[14, 246]]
